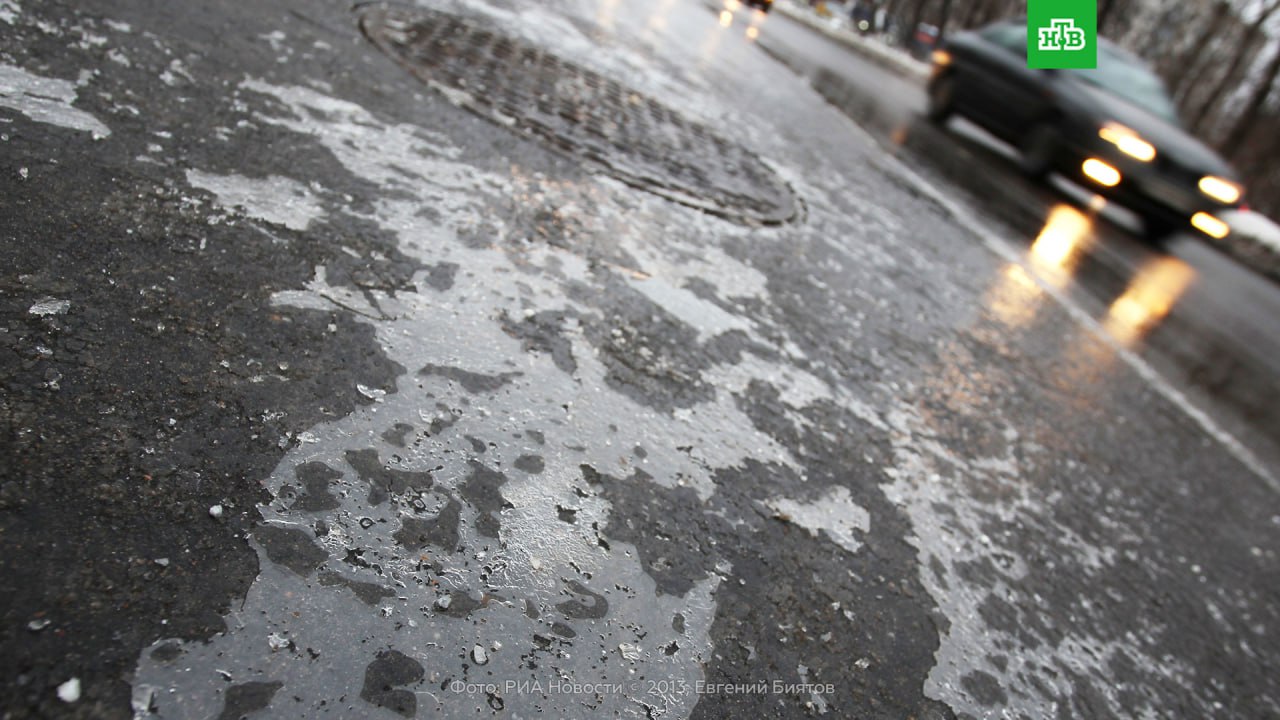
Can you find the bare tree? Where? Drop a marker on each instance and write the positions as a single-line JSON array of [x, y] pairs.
[[1186, 73], [1230, 79], [1176, 33], [913, 21], [1006, 8], [943, 17], [973, 13], [1252, 109], [1118, 17], [890, 7], [1263, 176], [1104, 12]]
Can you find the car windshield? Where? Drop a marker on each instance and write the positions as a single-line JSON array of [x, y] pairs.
[[1126, 79]]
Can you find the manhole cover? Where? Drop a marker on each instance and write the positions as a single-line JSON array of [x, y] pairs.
[[634, 137]]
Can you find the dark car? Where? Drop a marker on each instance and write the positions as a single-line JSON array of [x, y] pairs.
[[762, 4], [1113, 129]]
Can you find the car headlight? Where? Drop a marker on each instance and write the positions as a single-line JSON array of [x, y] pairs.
[[941, 58], [1220, 189], [1210, 225], [1128, 141]]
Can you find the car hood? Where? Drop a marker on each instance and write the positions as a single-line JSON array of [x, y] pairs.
[[1170, 140]]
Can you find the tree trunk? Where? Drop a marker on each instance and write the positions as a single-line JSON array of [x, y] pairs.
[[973, 11], [996, 9], [1244, 123], [944, 16], [1104, 11], [1228, 81], [913, 20], [991, 10], [1198, 55]]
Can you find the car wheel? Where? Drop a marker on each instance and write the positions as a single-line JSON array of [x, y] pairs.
[[1038, 151], [942, 99]]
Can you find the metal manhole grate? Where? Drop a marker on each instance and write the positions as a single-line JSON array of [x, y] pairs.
[[636, 138]]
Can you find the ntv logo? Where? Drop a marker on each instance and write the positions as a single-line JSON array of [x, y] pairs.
[[1062, 34]]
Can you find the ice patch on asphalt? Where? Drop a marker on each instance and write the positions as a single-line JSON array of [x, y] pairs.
[[391, 156], [9, 11], [46, 100], [275, 199], [797, 388], [943, 494], [835, 513], [705, 317], [680, 261], [432, 519], [50, 306], [439, 604]]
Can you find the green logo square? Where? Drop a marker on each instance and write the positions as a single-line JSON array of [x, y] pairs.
[[1062, 33]]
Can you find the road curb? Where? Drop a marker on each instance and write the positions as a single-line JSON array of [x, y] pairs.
[[874, 51]]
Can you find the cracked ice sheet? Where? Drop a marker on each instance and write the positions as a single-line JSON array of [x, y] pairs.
[[385, 561], [46, 100]]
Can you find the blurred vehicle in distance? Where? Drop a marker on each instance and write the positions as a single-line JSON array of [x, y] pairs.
[[1112, 129], [923, 40], [764, 5], [866, 17]]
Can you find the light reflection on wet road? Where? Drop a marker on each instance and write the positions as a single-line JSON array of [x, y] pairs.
[[1061, 244], [1150, 296]]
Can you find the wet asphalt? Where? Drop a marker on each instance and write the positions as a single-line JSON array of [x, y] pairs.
[[1214, 331], [334, 387]]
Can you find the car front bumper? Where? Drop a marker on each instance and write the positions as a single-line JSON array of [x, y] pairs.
[[1146, 188]]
